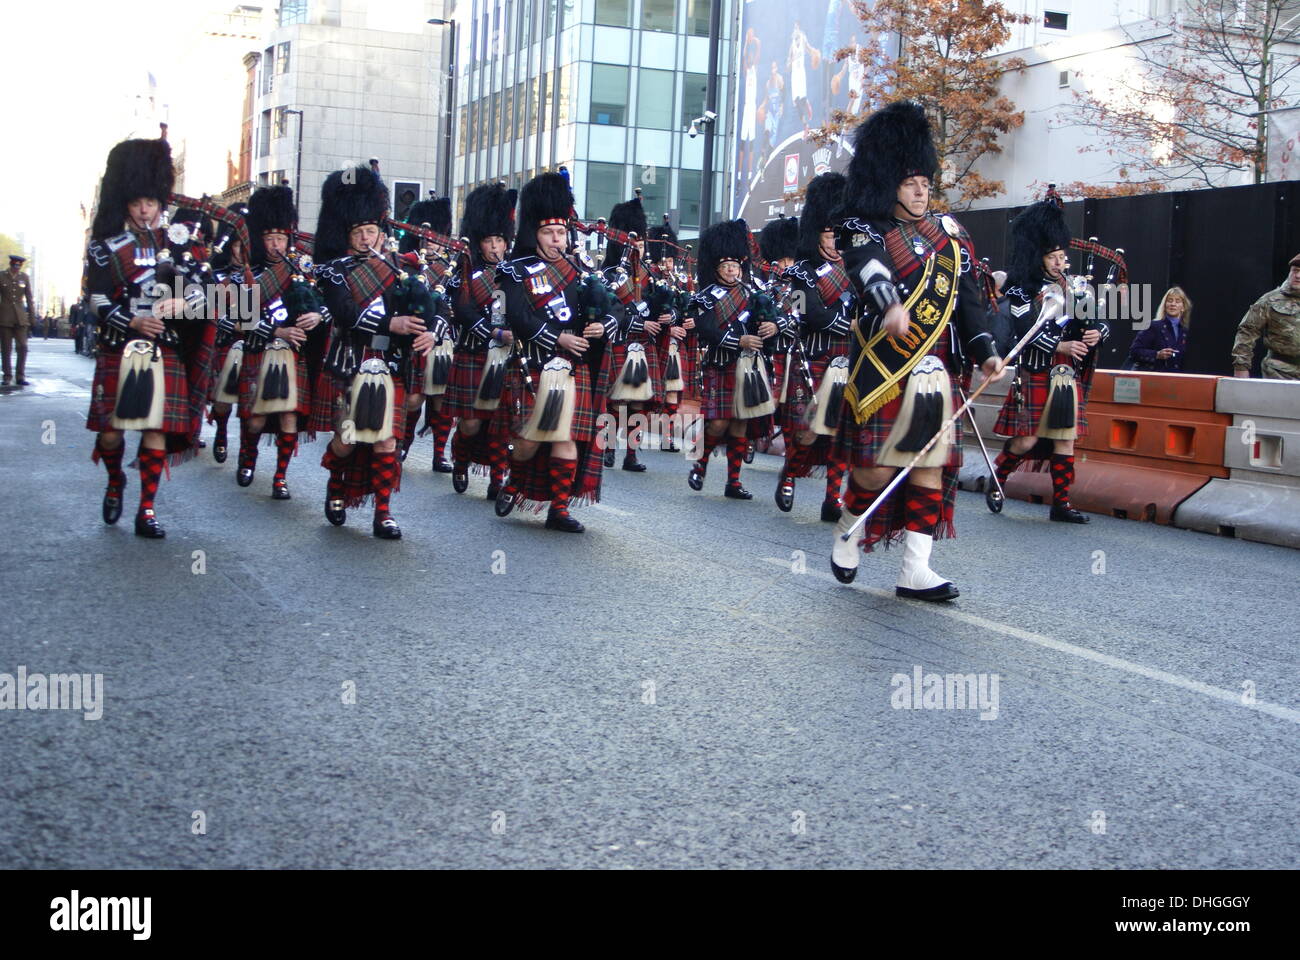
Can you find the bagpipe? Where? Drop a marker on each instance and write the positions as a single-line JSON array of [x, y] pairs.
[[438, 361], [209, 208]]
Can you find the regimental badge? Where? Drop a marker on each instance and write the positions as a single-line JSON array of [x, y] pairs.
[[928, 313], [950, 226], [942, 285], [585, 258], [860, 240], [178, 234]]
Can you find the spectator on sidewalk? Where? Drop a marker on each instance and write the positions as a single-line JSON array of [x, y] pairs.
[[1276, 317], [1163, 345]]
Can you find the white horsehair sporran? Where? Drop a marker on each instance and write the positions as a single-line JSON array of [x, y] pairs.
[[277, 380], [633, 383], [141, 388], [228, 382], [752, 397], [825, 421], [927, 406], [437, 367], [370, 402], [552, 416], [493, 380]]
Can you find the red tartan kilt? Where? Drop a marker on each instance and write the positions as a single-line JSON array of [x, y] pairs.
[[692, 368], [248, 371], [718, 399], [103, 393], [790, 414], [331, 393], [463, 383], [862, 444], [618, 356], [585, 409], [1022, 420]]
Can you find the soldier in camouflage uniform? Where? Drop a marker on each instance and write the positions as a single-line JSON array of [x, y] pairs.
[[1275, 316]]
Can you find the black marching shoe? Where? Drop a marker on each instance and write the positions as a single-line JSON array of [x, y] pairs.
[[245, 476], [280, 490], [609, 457], [695, 479], [112, 505], [146, 525], [737, 491], [632, 464], [442, 466], [219, 452], [1067, 514], [944, 591], [386, 529], [335, 512], [460, 477], [785, 494], [505, 502], [562, 521], [831, 511]]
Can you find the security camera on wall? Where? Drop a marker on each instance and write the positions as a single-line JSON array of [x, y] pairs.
[[710, 116]]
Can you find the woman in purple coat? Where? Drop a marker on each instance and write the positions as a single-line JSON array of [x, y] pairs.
[[1163, 345]]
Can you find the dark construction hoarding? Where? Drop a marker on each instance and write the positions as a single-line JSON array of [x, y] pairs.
[[789, 83]]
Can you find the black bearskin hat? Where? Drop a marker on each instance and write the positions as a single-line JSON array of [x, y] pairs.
[[1038, 231], [779, 239], [436, 213], [347, 205], [728, 240], [489, 212], [135, 168], [657, 240], [630, 218], [822, 199], [892, 144], [270, 210], [545, 197]]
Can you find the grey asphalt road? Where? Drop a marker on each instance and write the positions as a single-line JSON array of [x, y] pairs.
[[668, 690]]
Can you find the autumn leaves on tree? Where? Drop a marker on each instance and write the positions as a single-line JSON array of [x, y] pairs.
[[944, 63]]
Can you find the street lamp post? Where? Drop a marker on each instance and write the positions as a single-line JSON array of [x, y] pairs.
[[449, 108], [297, 174], [711, 113]]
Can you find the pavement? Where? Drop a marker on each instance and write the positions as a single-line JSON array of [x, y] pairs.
[[684, 685]]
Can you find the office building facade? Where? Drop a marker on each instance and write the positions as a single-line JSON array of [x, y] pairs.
[[606, 88]]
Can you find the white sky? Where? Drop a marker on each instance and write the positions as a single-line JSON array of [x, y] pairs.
[[75, 73]]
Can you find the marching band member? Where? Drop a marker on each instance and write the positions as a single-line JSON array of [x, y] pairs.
[[154, 362], [637, 384], [677, 346], [921, 307], [227, 263], [562, 320], [810, 416], [1045, 409], [284, 350], [435, 213], [476, 393], [736, 326], [376, 327]]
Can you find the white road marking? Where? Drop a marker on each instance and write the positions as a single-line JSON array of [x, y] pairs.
[[614, 510], [1186, 683]]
